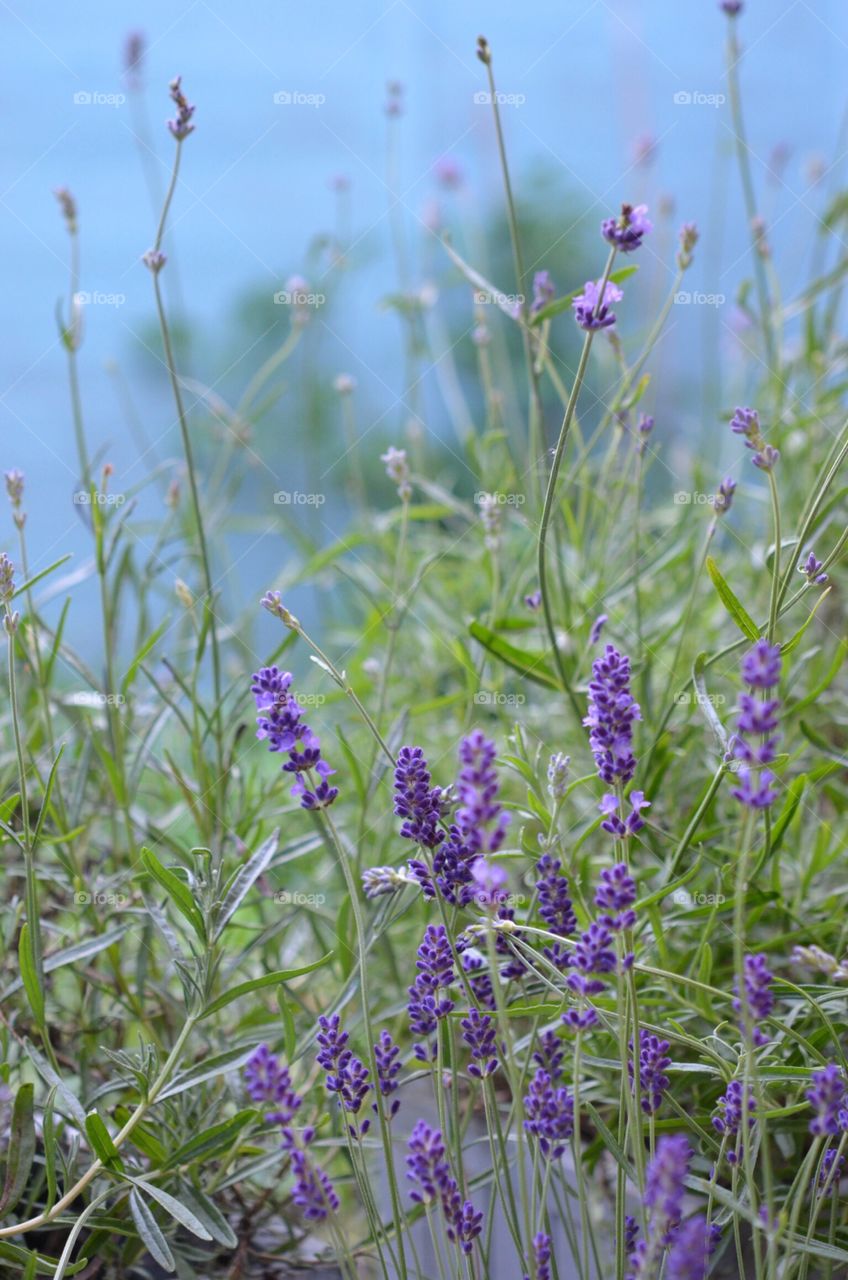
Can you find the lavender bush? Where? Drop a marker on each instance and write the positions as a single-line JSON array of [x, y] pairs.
[[490, 924]]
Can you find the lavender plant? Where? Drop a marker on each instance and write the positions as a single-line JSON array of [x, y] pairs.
[[544, 975]]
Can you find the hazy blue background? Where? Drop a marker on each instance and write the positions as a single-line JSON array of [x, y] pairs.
[[596, 76]]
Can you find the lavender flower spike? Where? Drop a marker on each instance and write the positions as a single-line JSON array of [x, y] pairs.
[[812, 568], [593, 312], [181, 126], [280, 723], [627, 231], [550, 1115], [480, 818], [759, 998], [653, 1061], [612, 713], [313, 1191], [827, 1097], [416, 801]]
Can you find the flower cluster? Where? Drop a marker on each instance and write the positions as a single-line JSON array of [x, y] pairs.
[[347, 1075], [758, 999], [558, 767], [555, 907], [478, 1032], [732, 1108], [620, 827], [746, 422], [397, 469], [549, 1112], [181, 126], [387, 1059], [15, 492], [627, 231], [280, 721], [544, 290], [429, 1172], [593, 955], [426, 1005], [688, 1244], [612, 713], [416, 801], [268, 1081], [758, 720], [812, 569], [688, 237], [653, 1061], [591, 310], [828, 1097], [724, 497]]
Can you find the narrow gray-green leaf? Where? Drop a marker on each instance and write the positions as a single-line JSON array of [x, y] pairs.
[[150, 1233]]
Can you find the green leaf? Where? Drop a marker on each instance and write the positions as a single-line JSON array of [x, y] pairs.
[[174, 1207], [220, 1064], [245, 878], [217, 1138], [141, 655], [30, 582], [21, 1148], [533, 666], [101, 1141], [150, 1232], [72, 955], [266, 980], [207, 1212], [743, 620], [799, 634], [705, 702], [177, 891], [29, 976]]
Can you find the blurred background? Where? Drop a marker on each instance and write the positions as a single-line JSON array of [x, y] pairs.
[[335, 144]]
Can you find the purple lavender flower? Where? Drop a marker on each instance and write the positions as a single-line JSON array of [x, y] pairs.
[[665, 1178], [732, 1108], [597, 627], [612, 712], [558, 767], [627, 231], [812, 568], [541, 1256], [724, 497], [416, 800], [480, 818], [731, 7], [280, 722], [688, 237], [592, 312], [593, 954], [644, 428], [313, 1191], [831, 1171], [690, 1250], [555, 907], [426, 1005], [387, 1058], [550, 1054], [347, 1076], [181, 126], [544, 290], [827, 1097], [758, 719], [268, 1081], [549, 1112], [533, 601], [134, 50], [633, 823], [429, 1172], [653, 1061], [378, 881], [759, 998], [489, 882], [478, 1032], [331, 1040], [746, 422]]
